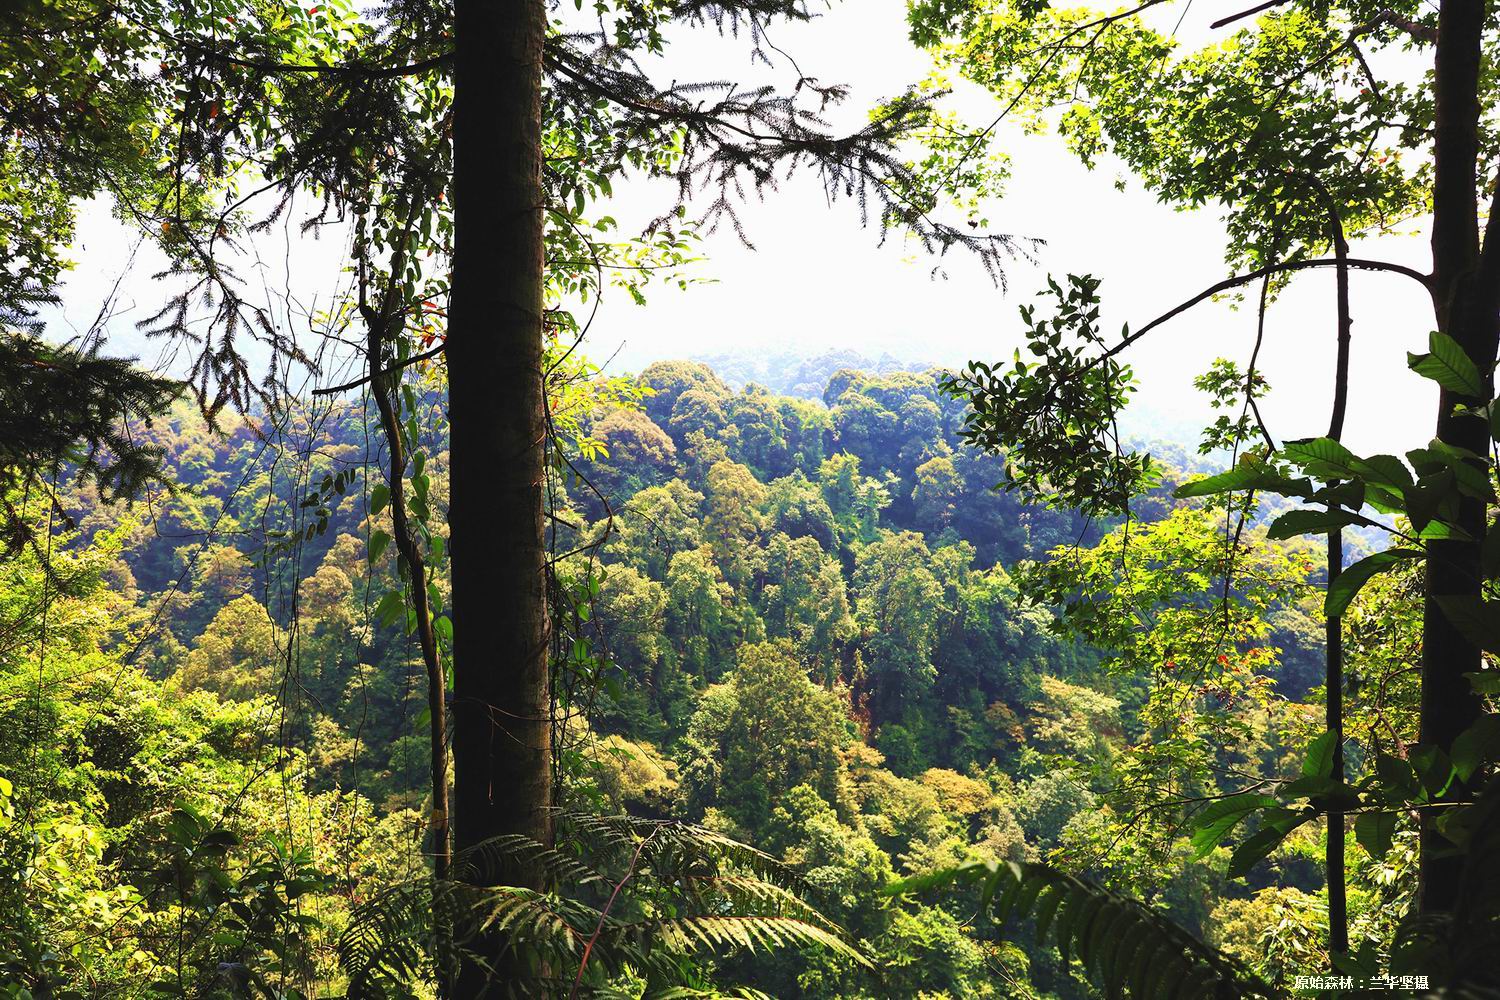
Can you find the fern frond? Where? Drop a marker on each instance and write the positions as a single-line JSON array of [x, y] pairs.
[[745, 894], [728, 934], [1126, 948], [689, 993], [381, 949], [488, 856], [526, 918], [626, 893], [680, 848]]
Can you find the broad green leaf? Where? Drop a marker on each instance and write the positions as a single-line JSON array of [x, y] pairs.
[[1384, 470], [378, 541], [1396, 779], [1477, 619], [1476, 746], [1485, 682], [1311, 522], [1375, 831], [391, 609], [1262, 842], [1433, 767], [380, 495], [1218, 818], [1249, 474], [1442, 529], [1353, 579], [1447, 365], [1323, 457], [1319, 760]]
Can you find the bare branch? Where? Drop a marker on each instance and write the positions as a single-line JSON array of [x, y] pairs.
[[334, 390], [1243, 279]]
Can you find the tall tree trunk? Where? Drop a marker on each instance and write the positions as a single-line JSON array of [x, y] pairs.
[[1449, 705], [501, 714]]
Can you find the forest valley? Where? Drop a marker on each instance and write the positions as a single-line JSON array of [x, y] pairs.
[[393, 647], [802, 624]]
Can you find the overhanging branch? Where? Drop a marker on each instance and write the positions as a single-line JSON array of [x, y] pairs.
[[1358, 263]]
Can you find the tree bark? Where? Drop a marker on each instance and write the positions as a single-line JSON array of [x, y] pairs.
[[1449, 704], [501, 711]]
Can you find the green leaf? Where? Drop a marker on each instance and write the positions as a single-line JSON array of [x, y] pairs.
[[1397, 780], [391, 609], [380, 495], [1259, 845], [1477, 619], [1353, 579], [1249, 474], [1319, 760], [1485, 682], [1324, 458], [1442, 529], [378, 541], [1311, 522], [1476, 746], [1447, 365], [1213, 824], [1375, 831], [1433, 767], [1384, 470]]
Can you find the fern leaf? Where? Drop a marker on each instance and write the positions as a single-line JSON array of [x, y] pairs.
[[1103, 930]]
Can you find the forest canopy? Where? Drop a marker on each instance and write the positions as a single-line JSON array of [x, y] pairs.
[[395, 645]]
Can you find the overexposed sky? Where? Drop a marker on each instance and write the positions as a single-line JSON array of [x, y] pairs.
[[816, 280]]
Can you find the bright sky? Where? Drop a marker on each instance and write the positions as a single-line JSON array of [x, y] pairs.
[[816, 280]]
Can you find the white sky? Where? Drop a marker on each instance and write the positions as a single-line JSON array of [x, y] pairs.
[[816, 280]]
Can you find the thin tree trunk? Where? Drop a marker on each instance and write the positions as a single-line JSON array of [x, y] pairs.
[[1338, 907], [1449, 704], [409, 550], [501, 713]]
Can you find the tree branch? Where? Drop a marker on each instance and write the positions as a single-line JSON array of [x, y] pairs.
[[1243, 279], [363, 71], [414, 359], [1247, 13]]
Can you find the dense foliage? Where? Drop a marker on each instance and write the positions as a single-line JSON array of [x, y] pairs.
[[812, 627]]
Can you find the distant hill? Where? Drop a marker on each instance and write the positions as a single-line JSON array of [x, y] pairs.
[[792, 373]]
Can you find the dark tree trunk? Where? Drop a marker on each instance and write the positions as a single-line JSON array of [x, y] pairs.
[[501, 715], [1449, 705], [1338, 903]]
